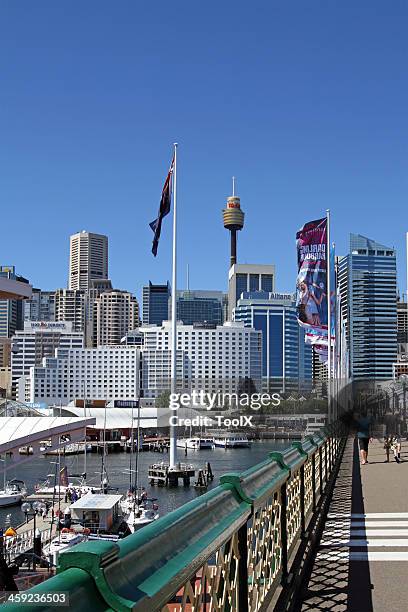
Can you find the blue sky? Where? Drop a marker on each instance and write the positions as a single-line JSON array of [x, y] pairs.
[[305, 102]]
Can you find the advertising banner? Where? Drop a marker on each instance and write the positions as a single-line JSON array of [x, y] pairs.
[[311, 286]]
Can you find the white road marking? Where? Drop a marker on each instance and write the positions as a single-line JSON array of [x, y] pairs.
[[371, 555], [389, 543], [334, 525], [366, 532], [369, 515]]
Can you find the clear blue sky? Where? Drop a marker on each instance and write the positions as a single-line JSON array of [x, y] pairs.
[[305, 102]]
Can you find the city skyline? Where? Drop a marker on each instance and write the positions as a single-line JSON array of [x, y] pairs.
[[402, 260], [87, 134]]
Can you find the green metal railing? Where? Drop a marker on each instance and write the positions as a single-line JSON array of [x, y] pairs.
[[229, 549]]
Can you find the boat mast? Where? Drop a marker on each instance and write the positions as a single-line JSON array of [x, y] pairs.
[[137, 460], [103, 467], [132, 443], [85, 466]]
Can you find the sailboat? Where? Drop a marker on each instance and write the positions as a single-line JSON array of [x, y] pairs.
[[142, 510]]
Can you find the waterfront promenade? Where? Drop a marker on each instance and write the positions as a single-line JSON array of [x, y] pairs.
[[361, 563]]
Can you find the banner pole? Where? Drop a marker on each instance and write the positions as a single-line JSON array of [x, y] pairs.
[[329, 361], [173, 437]]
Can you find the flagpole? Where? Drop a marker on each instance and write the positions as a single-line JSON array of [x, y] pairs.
[[173, 438], [328, 268]]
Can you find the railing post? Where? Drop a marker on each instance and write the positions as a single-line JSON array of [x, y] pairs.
[[284, 533], [321, 469], [314, 481], [243, 568], [302, 501], [330, 458]]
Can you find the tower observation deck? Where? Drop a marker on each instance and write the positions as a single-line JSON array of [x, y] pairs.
[[233, 218]]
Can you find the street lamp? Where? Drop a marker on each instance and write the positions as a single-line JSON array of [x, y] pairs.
[[31, 509]]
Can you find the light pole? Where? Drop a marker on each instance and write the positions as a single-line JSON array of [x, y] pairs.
[[31, 510], [404, 379]]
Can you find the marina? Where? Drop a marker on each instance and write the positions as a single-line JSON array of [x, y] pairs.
[[222, 460]]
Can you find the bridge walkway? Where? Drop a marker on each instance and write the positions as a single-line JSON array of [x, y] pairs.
[[362, 560]]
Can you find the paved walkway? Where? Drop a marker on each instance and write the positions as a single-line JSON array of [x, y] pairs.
[[362, 561]]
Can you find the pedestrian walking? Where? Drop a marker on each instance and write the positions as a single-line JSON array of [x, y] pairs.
[[393, 442], [363, 423]]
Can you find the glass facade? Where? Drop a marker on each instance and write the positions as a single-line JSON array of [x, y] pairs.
[[11, 311], [286, 358], [197, 307], [241, 284], [267, 282], [368, 287], [155, 307]]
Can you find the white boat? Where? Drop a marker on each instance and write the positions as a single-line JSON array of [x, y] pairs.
[[128, 502], [139, 509], [47, 488], [141, 516], [13, 492], [196, 443], [66, 539], [230, 440]]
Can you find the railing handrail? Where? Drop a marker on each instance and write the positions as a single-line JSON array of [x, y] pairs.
[[146, 569]]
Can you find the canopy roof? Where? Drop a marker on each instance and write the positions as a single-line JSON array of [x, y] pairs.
[[17, 431], [121, 418]]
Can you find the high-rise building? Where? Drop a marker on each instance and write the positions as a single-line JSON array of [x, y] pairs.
[[200, 306], [286, 359], [155, 304], [210, 357], [11, 310], [117, 312], [402, 323], [11, 313], [249, 277], [88, 259], [39, 339], [40, 307], [368, 287], [97, 287], [103, 373], [70, 305]]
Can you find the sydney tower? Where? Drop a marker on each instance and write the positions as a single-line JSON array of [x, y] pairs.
[[233, 220]]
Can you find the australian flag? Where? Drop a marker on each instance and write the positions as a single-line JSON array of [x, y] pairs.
[[164, 208]]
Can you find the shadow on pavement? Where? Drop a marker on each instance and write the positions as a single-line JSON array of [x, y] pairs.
[[337, 584]]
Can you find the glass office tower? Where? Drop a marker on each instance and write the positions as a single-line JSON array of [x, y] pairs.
[[368, 287]]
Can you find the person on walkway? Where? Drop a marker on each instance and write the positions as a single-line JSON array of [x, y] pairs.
[[363, 435], [393, 442]]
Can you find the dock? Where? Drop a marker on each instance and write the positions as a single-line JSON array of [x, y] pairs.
[[162, 475], [23, 542]]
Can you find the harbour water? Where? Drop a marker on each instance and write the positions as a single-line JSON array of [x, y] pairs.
[[221, 460]]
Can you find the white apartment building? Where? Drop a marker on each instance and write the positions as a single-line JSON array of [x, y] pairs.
[[88, 259], [116, 313], [37, 340], [70, 305], [40, 307], [212, 357], [105, 373]]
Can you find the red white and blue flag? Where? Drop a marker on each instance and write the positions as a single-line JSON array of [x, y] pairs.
[[164, 208]]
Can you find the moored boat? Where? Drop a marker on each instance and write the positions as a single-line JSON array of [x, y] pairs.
[[13, 492], [64, 540], [196, 443], [231, 440]]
